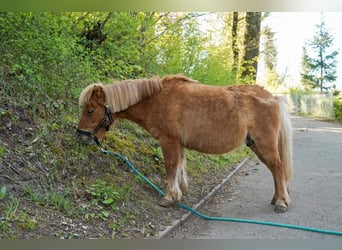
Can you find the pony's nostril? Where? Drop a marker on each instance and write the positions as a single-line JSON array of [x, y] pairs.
[[84, 138]]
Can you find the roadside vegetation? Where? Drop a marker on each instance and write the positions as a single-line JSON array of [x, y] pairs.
[[338, 108]]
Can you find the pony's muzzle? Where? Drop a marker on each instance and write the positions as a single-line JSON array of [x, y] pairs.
[[85, 136]]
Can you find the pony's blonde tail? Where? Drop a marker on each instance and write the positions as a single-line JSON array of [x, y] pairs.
[[285, 138]]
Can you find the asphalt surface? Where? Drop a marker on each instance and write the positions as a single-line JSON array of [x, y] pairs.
[[316, 192]]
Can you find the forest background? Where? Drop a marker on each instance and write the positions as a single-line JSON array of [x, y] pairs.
[[56, 54]]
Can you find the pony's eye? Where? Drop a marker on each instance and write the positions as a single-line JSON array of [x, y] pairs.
[[90, 111]]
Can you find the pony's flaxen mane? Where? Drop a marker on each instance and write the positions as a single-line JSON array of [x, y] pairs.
[[121, 95]]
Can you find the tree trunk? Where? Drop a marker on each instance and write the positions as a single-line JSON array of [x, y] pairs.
[[251, 44], [234, 42]]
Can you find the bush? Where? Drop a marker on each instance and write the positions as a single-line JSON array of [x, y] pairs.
[[41, 57], [338, 109]]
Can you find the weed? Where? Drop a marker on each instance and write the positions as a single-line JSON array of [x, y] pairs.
[[13, 218], [59, 201], [157, 154], [2, 150], [11, 208], [108, 195], [2, 192], [114, 226], [4, 226], [104, 214]]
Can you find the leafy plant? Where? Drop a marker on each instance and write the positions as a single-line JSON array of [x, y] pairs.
[[338, 109], [13, 218], [58, 200], [2, 192], [2, 150], [108, 195]]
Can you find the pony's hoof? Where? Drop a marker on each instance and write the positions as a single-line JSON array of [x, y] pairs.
[[273, 201], [166, 203], [280, 209]]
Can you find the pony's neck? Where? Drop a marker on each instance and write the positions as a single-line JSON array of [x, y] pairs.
[[135, 113]]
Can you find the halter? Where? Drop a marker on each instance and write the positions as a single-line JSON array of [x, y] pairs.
[[106, 121]]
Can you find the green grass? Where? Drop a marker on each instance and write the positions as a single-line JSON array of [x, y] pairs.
[[108, 194], [2, 192], [13, 217], [57, 200]]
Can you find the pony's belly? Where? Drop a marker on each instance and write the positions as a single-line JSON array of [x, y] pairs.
[[214, 145]]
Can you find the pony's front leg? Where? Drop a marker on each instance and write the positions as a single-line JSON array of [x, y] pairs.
[[173, 157]]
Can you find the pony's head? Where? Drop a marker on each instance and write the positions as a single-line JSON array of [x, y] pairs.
[[100, 104], [96, 117]]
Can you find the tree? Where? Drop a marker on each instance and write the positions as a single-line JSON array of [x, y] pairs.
[[39, 52], [55, 54], [269, 54], [319, 69], [235, 48], [179, 44], [251, 44]]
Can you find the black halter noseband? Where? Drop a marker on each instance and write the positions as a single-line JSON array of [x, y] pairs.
[[106, 121]]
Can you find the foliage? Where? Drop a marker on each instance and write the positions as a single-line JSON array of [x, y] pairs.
[[269, 54], [185, 45], [12, 215], [2, 150], [58, 200], [338, 109], [251, 45], [52, 53], [108, 195], [319, 69], [39, 54], [2, 192], [51, 56]]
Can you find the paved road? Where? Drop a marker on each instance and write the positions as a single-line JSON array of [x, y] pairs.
[[316, 192]]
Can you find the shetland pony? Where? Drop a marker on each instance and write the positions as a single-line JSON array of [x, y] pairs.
[[183, 113]]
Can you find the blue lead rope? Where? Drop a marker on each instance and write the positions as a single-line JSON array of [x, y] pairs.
[[267, 223]]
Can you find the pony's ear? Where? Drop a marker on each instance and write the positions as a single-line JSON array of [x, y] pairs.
[[98, 93]]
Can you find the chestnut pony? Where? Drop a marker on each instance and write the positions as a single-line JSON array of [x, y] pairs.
[[183, 113]]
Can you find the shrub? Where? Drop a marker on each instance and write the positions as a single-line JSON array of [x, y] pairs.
[[338, 109]]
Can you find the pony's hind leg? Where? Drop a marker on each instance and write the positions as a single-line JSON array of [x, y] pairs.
[[183, 179], [260, 156], [268, 154], [176, 177]]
